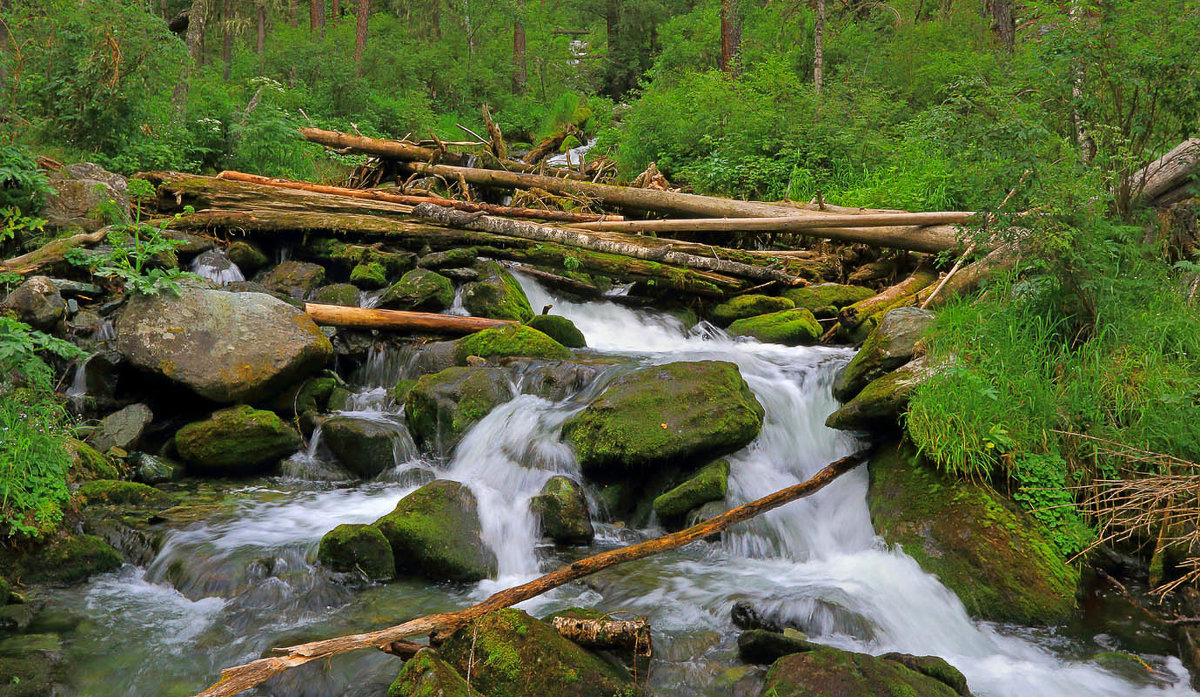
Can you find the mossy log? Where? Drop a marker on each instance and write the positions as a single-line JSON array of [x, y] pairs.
[[50, 253], [241, 678], [399, 320], [177, 190], [1167, 172], [854, 315]]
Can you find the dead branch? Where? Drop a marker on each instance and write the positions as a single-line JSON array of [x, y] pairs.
[[50, 253]]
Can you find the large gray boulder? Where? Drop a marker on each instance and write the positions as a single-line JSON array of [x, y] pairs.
[[497, 295], [37, 302], [82, 193], [227, 347], [122, 429], [890, 346], [363, 446]]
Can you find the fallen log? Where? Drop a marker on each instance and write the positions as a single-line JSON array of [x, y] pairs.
[[547, 146], [240, 678], [854, 315], [554, 280], [177, 190], [399, 320], [574, 238], [408, 200], [50, 253], [1167, 172], [624, 635]]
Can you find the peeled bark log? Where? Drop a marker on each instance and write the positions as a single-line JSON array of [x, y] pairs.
[[240, 678], [1168, 172], [595, 242], [553, 280], [176, 190], [50, 253], [626, 635], [398, 320], [854, 315]]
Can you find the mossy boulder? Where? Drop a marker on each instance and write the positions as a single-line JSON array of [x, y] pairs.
[[110, 492], [399, 391], [70, 560], [787, 327], [296, 279], [879, 405], [889, 346], [825, 299], [665, 414], [514, 655], [448, 259], [829, 671], [238, 440], [89, 463], [998, 561], [497, 295], [247, 256], [31, 665], [513, 340], [435, 533], [38, 303], [361, 548], [765, 647], [744, 306], [363, 446], [711, 483], [307, 398], [442, 406], [427, 675], [560, 329], [337, 294], [419, 289], [369, 275], [563, 512]]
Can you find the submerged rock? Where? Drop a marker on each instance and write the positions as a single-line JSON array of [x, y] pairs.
[[121, 429], [419, 289], [709, 484], [435, 533], [226, 347], [513, 340], [552, 380], [787, 327], [995, 559], [69, 561], [825, 299], [514, 655], [246, 255], [361, 548], [497, 295], [829, 671], [880, 404], [744, 306], [236, 441], [105, 492], [890, 346], [676, 412], [363, 446], [562, 511], [427, 675], [765, 647], [442, 406], [560, 329], [294, 278], [152, 469]]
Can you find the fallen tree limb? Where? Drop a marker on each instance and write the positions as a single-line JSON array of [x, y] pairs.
[[1167, 172], [399, 320], [177, 190], [240, 678], [50, 253], [626, 635], [553, 280], [575, 238], [854, 315]]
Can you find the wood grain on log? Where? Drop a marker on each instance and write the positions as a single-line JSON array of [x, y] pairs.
[[399, 320]]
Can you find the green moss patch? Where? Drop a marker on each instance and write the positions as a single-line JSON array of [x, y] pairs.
[[829, 671], [709, 484], [513, 340], [560, 329], [825, 299], [238, 440], [434, 533], [69, 561], [361, 548], [105, 492], [427, 675], [748, 306], [497, 295], [419, 289], [788, 327], [442, 406]]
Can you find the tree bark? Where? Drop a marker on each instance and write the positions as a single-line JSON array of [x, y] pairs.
[[240, 678], [397, 320], [1004, 23], [519, 69], [316, 17], [50, 253], [1167, 172], [495, 137], [261, 45], [819, 47], [854, 315], [626, 635], [227, 18], [197, 18], [731, 37], [360, 31]]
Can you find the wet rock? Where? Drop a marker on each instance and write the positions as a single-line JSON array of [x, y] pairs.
[[934, 667], [89, 463], [152, 469], [69, 561], [246, 255], [419, 289], [127, 533], [16, 618], [361, 548], [497, 295], [890, 346], [825, 299], [829, 671], [513, 340], [442, 406], [217, 267], [368, 276], [76, 289], [122, 429], [709, 484], [308, 398], [427, 675], [515, 655], [562, 510], [462, 256], [191, 245], [112, 492], [337, 294], [362, 446], [355, 345], [463, 275], [434, 357], [37, 302], [746, 616], [764, 647], [86, 196], [553, 380], [879, 405], [788, 327], [435, 533], [998, 561], [101, 375], [676, 412], [236, 441], [5, 591], [294, 278], [30, 665], [744, 306], [226, 347], [560, 329]]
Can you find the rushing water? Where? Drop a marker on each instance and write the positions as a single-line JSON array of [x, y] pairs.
[[228, 589]]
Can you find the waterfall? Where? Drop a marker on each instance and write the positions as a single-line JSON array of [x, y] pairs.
[[217, 267]]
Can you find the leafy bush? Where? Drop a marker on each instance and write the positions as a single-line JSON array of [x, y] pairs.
[[23, 185]]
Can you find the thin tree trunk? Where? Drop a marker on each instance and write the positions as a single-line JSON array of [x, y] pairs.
[[519, 72], [1004, 23], [819, 48], [261, 46], [4, 37], [612, 29], [312, 16], [731, 37], [241, 678], [1087, 147], [337, 10], [163, 9], [360, 31], [227, 38], [197, 18]]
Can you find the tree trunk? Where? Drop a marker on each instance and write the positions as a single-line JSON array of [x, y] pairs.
[[1004, 23], [731, 37], [50, 253], [337, 10], [397, 320], [495, 137], [316, 17], [227, 19], [360, 31], [854, 315], [626, 635], [197, 17], [262, 29], [240, 678], [1167, 172], [519, 71], [1083, 140], [162, 9], [819, 47], [612, 29]]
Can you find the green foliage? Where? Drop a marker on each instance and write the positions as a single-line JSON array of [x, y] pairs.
[[20, 346], [22, 184]]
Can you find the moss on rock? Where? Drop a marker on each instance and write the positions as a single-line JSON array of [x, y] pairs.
[[442, 406], [337, 294], [709, 484], [419, 289], [89, 463], [363, 548], [890, 345], [363, 446], [744, 306], [880, 404], [106, 492], [998, 561], [829, 671], [787, 327], [247, 256], [70, 560], [427, 675], [563, 512], [369, 275], [497, 295], [435, 533], [294, 278], [513, 340], [560, 329], [235, 441], [825, 299]]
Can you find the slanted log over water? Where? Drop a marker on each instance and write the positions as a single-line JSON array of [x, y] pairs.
[[241, 678], [398, 320]]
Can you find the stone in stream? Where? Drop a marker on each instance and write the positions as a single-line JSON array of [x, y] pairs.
[[246, 255], [497, 295], [442, 406], [435, 533], [111, 492], [672, 413], [368, 275], [295, 278], [226, 347], [825, 299], [890, 346], [788, 327], [153, 469], [997, 560], [37, 302], [879, 405], [337, 294], [505, 342], [236, 441], [552, 380], [31, 665], [563, 513], [122, 429], [829, 671], [451, 258], [427, 675], [69, 561], [766, 647], [744, 306], [362, 446], [710, 483], [361, 548], [560, 329], [419, 289], [514, 655]]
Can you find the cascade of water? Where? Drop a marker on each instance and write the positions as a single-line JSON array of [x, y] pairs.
[[78, 389], [217, 267]]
